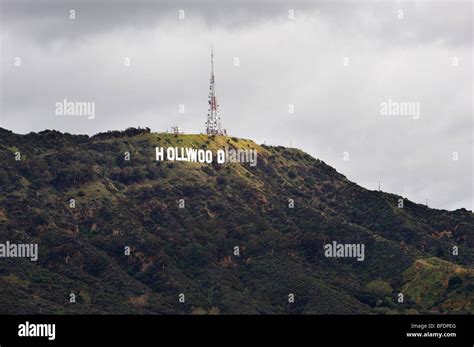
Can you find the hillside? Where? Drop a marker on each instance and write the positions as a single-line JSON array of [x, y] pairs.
[[190, 250]]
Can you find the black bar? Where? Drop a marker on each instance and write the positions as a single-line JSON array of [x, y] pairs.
[[372, 329]]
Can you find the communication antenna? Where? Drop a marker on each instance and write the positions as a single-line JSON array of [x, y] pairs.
[[213, 123]]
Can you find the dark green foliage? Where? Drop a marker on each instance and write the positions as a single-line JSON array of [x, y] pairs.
[[454, 282], [191, 250]]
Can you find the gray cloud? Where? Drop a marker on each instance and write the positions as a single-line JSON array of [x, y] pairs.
[[281, 62], [446, 21]]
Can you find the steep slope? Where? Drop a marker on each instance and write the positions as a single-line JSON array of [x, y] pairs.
[[191, 250]]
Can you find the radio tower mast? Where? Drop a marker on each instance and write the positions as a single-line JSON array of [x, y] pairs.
[[213, 123]]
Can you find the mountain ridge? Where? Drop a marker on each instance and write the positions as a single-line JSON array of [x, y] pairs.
[[190, 250]]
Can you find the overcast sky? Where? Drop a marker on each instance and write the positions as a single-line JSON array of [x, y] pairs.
[[422, 54]]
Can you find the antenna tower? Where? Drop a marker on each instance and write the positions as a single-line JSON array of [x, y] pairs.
[[213, 123]]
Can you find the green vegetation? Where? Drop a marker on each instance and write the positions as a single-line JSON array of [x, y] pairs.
[[440, 285], [134, 204]]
